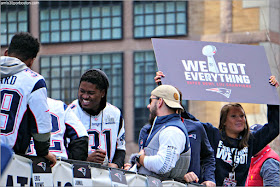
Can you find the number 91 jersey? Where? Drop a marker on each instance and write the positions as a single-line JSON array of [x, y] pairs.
[[106, 130]]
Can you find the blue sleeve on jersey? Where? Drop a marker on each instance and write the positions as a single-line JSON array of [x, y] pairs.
[[40, 84], [70, 132], [72, 106], [65, 106], [120, 124]]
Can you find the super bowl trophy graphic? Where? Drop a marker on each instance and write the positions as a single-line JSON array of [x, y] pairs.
[[210, 51]]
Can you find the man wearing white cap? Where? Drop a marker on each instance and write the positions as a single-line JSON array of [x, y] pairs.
[[164, 153]]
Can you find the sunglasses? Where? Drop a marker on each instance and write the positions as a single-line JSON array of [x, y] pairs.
[[150, 100]]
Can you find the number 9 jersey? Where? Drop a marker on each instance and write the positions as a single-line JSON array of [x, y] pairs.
[[106, 130], [24, 108]]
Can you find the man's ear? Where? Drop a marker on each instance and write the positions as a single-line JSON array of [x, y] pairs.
[[6, 52], [29, 62], [102, 93], [32, 61], [160, 102]]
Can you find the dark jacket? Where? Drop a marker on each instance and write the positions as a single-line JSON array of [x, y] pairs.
[[226, 149]]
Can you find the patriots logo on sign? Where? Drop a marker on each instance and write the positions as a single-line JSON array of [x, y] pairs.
[[83, 170], [119, 176], [43, 165], [225, 92]]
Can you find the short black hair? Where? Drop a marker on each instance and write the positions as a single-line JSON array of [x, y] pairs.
[[24, 46], [100, 79]]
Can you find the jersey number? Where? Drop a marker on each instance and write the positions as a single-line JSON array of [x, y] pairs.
[[55, 145], [10, 100], [96, 140]]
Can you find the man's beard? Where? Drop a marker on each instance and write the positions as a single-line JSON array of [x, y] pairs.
[[153, 114]]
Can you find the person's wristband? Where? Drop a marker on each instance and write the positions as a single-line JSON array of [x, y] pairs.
[[137, 158]]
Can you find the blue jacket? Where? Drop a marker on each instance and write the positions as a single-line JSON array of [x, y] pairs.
[[159, 123]]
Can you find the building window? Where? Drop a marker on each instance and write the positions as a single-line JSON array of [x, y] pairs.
[[63, 73], [73, 21], [144, 72], [160, 18], [14, 18]]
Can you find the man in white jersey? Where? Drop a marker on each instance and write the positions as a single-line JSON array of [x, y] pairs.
[[103, 121], [65, 124], [24, 108]]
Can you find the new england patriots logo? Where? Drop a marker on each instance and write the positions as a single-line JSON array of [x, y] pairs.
[[225, 92], [119, 176], [122, 139], [43, 165], [83, 170], [192, 136]]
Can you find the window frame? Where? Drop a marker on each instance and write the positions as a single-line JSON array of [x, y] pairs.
[[80, 19], [154, 25]]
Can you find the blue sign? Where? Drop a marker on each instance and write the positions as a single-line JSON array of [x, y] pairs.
[[213, 71]]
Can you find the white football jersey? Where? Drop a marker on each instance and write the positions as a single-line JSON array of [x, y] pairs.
[[65, 124], [24, 108], [106, 130]]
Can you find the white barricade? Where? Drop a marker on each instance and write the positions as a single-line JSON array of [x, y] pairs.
[[20, 172], [62, 174]]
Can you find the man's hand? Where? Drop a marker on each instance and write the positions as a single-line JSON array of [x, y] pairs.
[[126, 166], [209, 183], [191, 177], [52, 158], [97, 156], [113, 165], [141, 158], [158, 76], [273, 81]]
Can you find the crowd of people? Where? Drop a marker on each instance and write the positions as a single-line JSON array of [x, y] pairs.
[[174, 145]]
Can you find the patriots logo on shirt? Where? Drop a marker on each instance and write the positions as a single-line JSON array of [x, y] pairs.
[[225, 92], [119, 176], [43, 165], [192, 136], [83, 170], [122, 138]]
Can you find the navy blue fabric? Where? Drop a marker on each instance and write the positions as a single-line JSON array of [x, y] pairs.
[[6, 155], [202, 154], [166, 121], [64, 106], [40, 84]]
